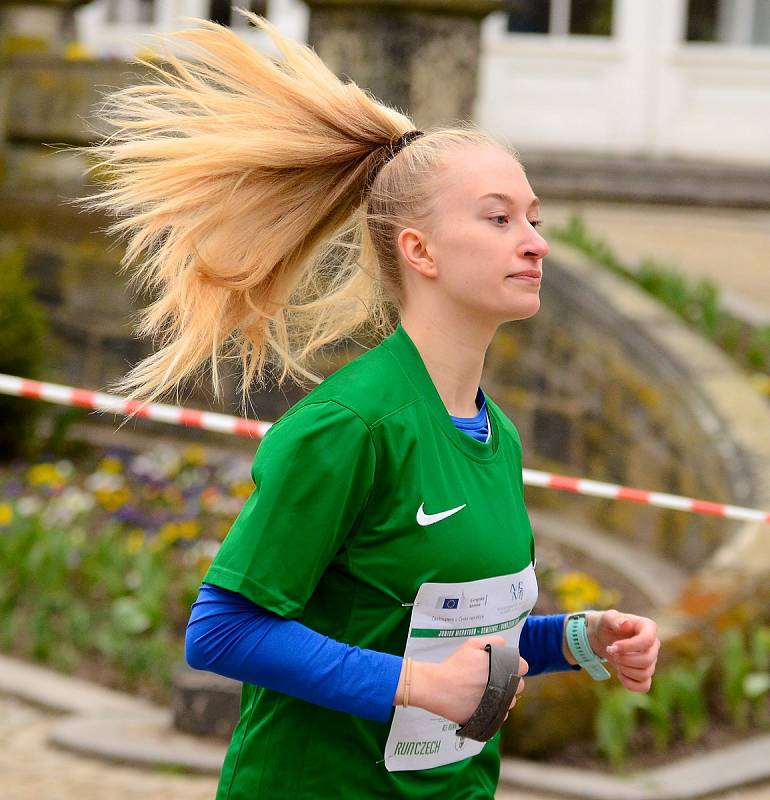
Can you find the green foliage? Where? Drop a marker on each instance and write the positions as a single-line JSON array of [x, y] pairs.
[[676, 693], [758, 349], [696, 303], [736, 666], [746, 675], [22, 333], [661, 709], [690, 697], [616, 721], [66, 596]]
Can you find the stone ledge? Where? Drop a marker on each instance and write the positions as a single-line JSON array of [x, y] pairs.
[[149, 740], [64, 694], [657, 180], [690, 777]]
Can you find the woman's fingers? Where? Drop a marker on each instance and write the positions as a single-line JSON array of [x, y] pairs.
[[639, 675], [636, 660], [645, 641], [633, 685]]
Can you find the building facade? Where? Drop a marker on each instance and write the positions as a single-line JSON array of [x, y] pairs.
[[683, 79]]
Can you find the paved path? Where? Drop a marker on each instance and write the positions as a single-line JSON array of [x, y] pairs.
[[731, 247], [31, 769]]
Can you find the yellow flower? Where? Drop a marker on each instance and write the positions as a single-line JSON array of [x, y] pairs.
[[169, 533], [111, 465], [113, 499], [189, 529], [6, 515], [194, 454], [134, 541], [577, 590], [44, 475]]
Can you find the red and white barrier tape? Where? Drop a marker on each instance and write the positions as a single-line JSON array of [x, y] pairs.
[[175, 415], [99, 401]]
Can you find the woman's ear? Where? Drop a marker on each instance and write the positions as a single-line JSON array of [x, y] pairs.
[[415, 252]]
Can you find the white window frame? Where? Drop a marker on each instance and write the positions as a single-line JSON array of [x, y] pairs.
[[559, 17]]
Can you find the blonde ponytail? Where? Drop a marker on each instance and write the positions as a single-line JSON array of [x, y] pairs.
[[253, 203]]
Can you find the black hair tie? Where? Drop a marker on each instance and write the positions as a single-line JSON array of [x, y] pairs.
[[404, 140]]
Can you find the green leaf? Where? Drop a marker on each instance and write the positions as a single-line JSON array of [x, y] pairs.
[[129, 616], [756, 684]]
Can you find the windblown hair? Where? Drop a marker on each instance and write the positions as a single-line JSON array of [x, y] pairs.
[[253, 197]]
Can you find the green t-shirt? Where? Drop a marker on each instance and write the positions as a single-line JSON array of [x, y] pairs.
[[329, 536]]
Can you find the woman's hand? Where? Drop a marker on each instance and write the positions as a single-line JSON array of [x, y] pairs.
[[629, 642], [452, 688]]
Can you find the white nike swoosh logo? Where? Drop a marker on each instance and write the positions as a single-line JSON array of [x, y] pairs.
[[429, 519]]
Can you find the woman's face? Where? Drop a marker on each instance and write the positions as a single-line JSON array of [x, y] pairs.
[[482, 231]]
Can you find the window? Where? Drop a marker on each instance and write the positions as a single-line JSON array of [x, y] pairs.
[[737, 22], [221, 11], [560, 17], [131, 11]]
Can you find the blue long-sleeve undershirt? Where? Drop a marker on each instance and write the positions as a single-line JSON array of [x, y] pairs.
[[230, 635]]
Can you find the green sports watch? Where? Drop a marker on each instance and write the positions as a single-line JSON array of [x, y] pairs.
[[580, 647]]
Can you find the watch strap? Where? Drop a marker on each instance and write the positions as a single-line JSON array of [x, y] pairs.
[[489, 715], [580, 646]]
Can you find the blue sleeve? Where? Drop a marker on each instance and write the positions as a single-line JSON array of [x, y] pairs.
[[230, 635], [540, 644]]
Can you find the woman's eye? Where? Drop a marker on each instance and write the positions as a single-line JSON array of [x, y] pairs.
[[533, 222]]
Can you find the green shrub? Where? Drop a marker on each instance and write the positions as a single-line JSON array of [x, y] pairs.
[[22, 332]]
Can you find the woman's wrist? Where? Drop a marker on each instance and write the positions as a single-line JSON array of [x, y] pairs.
[[592, 624], [422, 685], [592, 627]]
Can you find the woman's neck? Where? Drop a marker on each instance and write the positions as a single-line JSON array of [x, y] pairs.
[[453, 358]]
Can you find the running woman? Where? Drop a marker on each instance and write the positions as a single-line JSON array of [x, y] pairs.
[[386, 540]]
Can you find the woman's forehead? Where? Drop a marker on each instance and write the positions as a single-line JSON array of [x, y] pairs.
[[472, 172]]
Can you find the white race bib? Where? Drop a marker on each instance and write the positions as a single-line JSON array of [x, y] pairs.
[[444, 615]]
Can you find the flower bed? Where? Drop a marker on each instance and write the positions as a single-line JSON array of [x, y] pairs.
[[102, 553]]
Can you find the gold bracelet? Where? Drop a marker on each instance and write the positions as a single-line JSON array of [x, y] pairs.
[[407, 678]]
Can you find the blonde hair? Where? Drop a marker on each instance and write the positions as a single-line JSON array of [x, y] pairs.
[[257, 191]]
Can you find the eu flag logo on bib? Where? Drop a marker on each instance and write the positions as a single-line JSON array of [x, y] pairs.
[[451, 602]]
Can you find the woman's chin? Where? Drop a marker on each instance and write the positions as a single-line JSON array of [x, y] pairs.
[[525, 308]]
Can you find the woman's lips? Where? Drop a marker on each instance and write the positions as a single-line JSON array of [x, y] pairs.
[[529, 276]]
